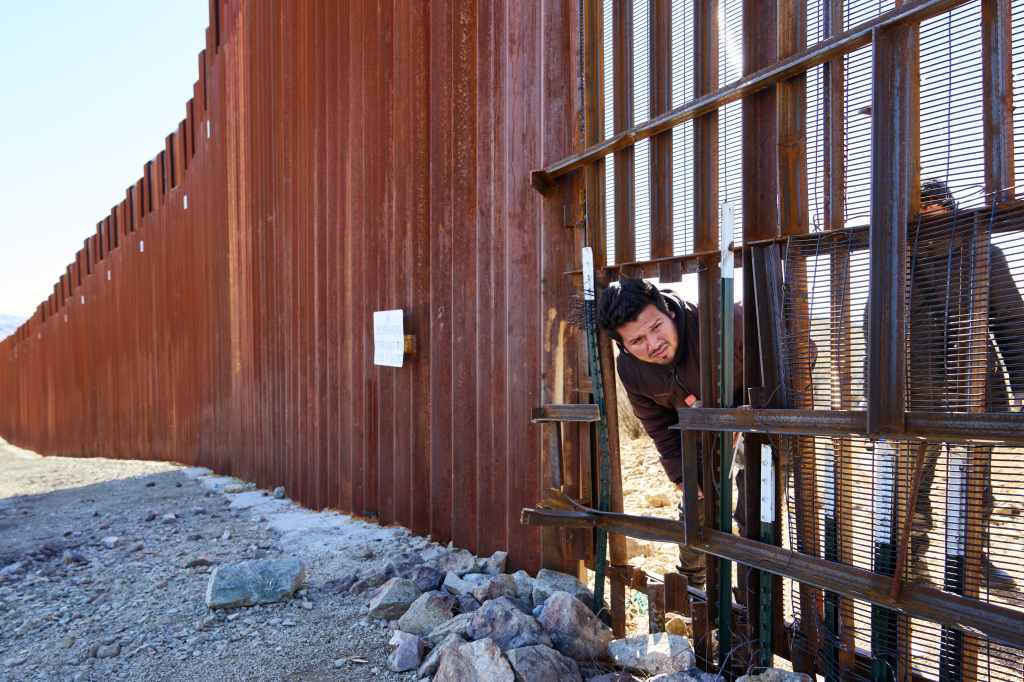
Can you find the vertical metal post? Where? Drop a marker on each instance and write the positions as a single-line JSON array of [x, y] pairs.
[[767, 536], [725, 400], [895, 170]]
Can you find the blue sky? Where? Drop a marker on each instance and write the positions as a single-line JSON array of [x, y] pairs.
[[90, 91]]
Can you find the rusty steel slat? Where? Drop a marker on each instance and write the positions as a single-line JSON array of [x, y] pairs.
[[623, 101], [997, 88], [894, 189], [706, 240], [844, 43], [660, 88]]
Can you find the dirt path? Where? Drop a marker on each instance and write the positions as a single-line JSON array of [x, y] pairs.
[[67, 589]]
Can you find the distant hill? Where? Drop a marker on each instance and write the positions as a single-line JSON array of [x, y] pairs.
[[8, 324]]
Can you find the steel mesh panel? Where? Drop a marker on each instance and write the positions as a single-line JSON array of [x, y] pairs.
[[730, 117], [642, 112], [609, 131], [682, 135]]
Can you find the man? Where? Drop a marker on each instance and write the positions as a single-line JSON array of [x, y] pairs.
[[943, 277], [658, 335]]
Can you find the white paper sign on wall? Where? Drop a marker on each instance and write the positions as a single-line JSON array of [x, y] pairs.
[[388, 338]]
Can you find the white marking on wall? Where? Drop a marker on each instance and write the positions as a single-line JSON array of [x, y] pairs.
[[767, 485], [885, 489], [956, 500]]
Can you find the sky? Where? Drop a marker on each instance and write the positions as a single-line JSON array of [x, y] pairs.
[[90, 91]]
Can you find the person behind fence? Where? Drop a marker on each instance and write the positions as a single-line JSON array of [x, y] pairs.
[[944, 275], [658, 335]]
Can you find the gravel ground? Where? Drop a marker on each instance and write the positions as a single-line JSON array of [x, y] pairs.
[[67, 589]]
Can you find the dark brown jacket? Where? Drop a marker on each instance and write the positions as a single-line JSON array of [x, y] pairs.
[[657, 391]]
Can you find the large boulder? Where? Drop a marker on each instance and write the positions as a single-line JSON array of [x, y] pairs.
[[575, 630], [502, 621], [260, 581], [677, 677], [432, 661], [653, 654], [458, 625], [460, 585], [479, 661], [542, 664], [524, 587], [427, 578], [406, 652], [495, 564], [393, 599], [548, 582], [426, 613], [502, 585], [460, 562], [775, 675]]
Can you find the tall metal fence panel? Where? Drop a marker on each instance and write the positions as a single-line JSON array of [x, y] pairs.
[[336, 159]]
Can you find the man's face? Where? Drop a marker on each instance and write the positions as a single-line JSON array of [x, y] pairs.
[[651, 337], [933, 210]]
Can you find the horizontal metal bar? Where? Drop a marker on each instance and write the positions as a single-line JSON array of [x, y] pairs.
[[1007, 427], [577, 412], [997, 623], [836, 46]]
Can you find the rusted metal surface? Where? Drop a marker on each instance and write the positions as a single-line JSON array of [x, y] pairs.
[[360, 157], [836, 46]]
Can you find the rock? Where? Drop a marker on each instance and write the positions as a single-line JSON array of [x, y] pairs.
[[617, 676], [502, 621], [460, 562], [467, 603], [548, 582], [474, 662], [502, 585], [14, 661], [151, 516], [524, 587], [775, 675], [367, 583], [542, 664], [575, 631], [258, 581], [108, 650], [433, 554], [111, 541], [429, 665], [407, 650], [72, 556], [138, 547], [459, 625], [393, 599], [226, 535], [342, 584], [677, 624], [339, 663], [151, 484], [426, 613], [427, 578], [464, 585], [168, 518], [198, 561], [18, 567], [495, 564], [674, 677], [652, 654], [279, 492]]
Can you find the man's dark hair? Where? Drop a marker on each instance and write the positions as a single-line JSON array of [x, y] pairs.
[[623, 302], [937, 192]]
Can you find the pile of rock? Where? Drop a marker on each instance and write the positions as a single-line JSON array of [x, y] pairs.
[[457, 617]]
